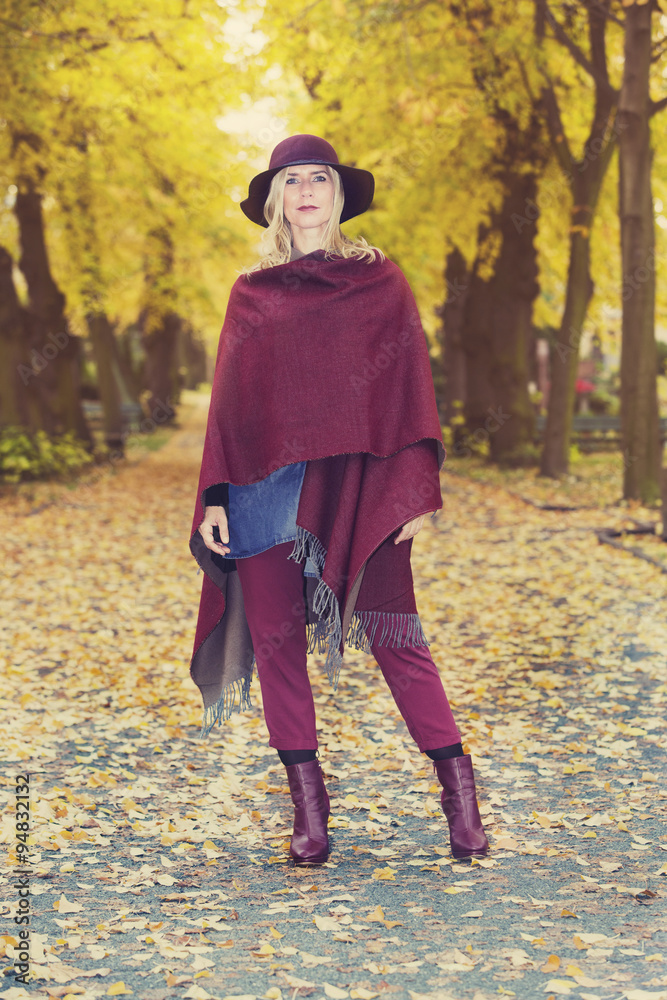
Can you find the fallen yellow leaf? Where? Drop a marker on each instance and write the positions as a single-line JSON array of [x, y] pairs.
[[388, 874], [335, 992], [64, 905], [266, 949]]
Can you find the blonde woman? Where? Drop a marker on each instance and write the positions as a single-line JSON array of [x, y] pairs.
[[322, 458]]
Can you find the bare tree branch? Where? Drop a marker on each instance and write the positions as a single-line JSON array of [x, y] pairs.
[[597, 39], [596, 66], [561, 35], [557, 134], [658, 49], [657, 106]]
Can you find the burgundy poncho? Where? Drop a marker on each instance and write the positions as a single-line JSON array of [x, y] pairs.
[[321, 360]]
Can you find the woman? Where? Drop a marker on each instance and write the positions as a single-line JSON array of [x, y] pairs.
[[322, 457]]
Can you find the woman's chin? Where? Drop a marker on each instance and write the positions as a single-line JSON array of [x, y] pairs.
[[309, 220]]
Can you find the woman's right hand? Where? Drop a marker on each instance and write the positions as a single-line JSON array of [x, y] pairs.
[[213, 516]]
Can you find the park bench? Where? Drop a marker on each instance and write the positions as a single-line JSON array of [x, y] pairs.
[[593, 432], [131, 414]]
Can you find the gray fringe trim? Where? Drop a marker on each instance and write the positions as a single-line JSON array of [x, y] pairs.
[[235, 697], [308, 545], [393, 624], [325, 635]]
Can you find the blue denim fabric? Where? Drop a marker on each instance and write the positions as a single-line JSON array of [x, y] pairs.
[[264, 514]]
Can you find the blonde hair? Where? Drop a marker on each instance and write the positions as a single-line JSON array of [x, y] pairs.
[[277, 240]]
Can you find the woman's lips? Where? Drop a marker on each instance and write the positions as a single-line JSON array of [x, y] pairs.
[[308, 208]]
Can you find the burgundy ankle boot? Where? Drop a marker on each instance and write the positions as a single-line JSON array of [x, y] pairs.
[[310, 841], [459, 804]]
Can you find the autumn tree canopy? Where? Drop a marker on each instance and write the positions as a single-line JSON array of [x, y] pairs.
[[130, 132]]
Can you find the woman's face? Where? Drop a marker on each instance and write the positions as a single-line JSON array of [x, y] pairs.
[[309, 196]]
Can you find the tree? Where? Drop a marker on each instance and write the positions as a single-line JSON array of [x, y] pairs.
[[639, 399], [59, 372], [504, 279], [160, 325], [18, 406], [583, 175], [93, 99], [451, 312]]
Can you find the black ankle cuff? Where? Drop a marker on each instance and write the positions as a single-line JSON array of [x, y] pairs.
[[288, 757], [444, 753]]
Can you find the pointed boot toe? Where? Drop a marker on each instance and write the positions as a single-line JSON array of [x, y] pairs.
[[459, 804]]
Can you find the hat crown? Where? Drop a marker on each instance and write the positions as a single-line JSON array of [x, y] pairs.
[[302, 149]]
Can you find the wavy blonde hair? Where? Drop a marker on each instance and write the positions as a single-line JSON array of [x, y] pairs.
[[277, 240]]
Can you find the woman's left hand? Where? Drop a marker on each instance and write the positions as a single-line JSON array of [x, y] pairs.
[[410, 529]]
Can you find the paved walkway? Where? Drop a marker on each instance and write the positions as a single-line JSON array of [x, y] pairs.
[[159, 865]]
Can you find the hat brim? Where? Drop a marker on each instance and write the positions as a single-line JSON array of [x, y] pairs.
[[358, 187]]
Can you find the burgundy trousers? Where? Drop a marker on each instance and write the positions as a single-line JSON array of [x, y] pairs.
[[273, 596]]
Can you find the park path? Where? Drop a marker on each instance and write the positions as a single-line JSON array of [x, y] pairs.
[[158, 861]]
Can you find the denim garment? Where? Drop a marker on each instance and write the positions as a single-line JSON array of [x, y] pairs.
[[263, 514]]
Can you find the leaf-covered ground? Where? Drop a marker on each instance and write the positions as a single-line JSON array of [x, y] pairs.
[[159, 861]]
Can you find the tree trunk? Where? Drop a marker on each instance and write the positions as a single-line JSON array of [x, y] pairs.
[[129, 354], [19, 403], [639, 397], [85, 251], [160, 327], [12, 337], [57, 357], [497, 323], [160, 371], [191, 356], [564, 354], [101, 336], [457, 278], [584, 177]]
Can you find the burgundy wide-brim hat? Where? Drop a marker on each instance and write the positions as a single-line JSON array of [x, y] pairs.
[[358, 184]]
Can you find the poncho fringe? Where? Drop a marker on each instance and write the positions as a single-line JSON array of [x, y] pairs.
[[398, 628], [226, 705]]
